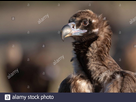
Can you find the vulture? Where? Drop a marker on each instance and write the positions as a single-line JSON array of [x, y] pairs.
[[94, 69]]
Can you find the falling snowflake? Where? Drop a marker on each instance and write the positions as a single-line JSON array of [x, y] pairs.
[[28, 86], [28, 59], [12, 18], [89, 4], [13, 45], [119, 5], [43, 73], [28, 4], [28, 32], [119, 32], [119, 59], [43, 45], [58, 32], [58, 4], [104, 18]]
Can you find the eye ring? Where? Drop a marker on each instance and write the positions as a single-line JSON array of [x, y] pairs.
[[85, 22]]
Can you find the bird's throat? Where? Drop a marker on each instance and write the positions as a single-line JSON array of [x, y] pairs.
[[88, 52]]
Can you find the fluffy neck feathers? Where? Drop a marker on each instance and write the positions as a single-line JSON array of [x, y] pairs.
[[93, 55]]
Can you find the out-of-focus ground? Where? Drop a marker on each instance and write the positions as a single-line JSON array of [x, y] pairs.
[[33, 48]]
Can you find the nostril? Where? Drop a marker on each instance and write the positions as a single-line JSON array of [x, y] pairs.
[[73, 25]]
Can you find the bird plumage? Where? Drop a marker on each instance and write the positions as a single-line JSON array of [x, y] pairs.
[[92, 63]]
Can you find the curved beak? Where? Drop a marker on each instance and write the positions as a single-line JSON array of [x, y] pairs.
[[66, 32], [70, 30]]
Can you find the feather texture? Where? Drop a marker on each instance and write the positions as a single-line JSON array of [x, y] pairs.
[[95, 70]]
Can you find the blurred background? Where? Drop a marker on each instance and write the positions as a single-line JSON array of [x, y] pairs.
[[33, 58]]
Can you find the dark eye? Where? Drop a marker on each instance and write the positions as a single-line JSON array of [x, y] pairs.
[[85, 22]]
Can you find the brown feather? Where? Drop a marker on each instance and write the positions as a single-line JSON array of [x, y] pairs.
[[91, 51]]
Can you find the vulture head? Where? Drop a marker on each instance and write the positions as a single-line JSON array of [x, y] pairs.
[[83, 26]]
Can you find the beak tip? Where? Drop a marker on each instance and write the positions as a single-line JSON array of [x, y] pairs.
[[65, 31], [63, 40]]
